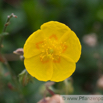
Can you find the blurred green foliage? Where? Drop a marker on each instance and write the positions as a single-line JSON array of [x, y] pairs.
[[82, 16]]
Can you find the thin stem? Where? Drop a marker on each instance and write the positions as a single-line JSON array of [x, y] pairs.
[[1, 39], [50, 91], [5, 27], [13, 76]]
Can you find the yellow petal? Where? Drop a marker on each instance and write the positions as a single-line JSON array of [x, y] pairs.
[[54, 29], [63, 70], [73, 46], [39, 70], [30, 47]]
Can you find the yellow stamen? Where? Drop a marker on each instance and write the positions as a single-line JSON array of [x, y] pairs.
[[51, 49]]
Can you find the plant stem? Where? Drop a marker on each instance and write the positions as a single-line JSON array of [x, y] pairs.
[[13, 76], [1, 39], [5, 27]]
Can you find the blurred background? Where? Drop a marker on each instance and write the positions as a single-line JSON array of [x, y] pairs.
[[84, 17]]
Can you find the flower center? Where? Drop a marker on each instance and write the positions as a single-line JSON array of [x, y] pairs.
[[51, 49]]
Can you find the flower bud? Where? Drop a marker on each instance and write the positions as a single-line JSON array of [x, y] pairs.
[[25, 78], [19, 51], [54, 99], [90, 40], [100, 82]]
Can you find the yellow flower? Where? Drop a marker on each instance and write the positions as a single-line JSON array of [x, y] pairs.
[[51, 52]]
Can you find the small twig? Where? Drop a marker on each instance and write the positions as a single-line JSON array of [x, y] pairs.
[[5, 26], [1, 39], [47, 87], [8, 21], [50, 91], [13, 76]]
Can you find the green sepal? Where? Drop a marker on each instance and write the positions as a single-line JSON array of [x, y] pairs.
[[25, 77]]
